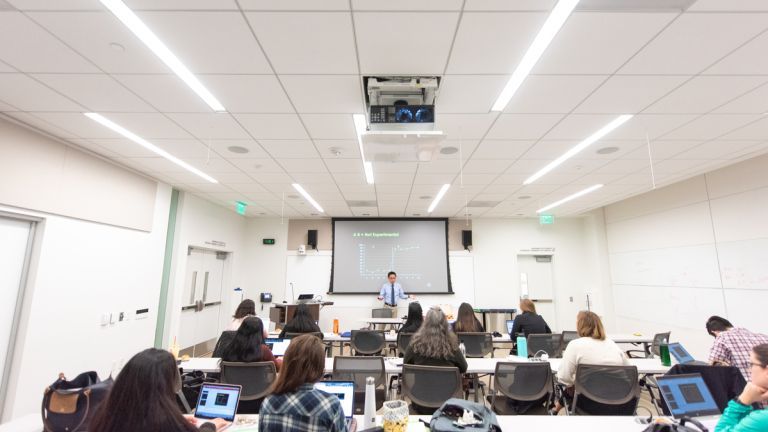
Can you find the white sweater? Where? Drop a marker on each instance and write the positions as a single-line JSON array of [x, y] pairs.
[[589, 351]]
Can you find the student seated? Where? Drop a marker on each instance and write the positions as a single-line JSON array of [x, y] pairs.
[[294, 404], [434, 345], [143, 398], [245, 309], [591, 347], [740, 416], [301, 322], [528, 321], [414, 320], [248, 345], [466, 321], [732, 345]]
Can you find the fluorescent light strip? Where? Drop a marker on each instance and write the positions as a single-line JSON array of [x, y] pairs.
[[551, 26], [359, 120], [439, 196], [137, 26], [570, 197], [605, 130], [147, 145], [307, 197]]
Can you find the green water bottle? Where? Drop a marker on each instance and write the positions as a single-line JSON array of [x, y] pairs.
[[664, 353]]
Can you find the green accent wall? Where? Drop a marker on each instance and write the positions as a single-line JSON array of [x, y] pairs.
[[167, 260]]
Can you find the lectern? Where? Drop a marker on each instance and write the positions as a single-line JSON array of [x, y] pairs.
[[283, 313]]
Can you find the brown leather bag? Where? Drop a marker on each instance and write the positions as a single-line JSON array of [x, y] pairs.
[[68, 406]]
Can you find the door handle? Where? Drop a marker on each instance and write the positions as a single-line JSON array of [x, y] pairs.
[[194, 285], [205, 287]]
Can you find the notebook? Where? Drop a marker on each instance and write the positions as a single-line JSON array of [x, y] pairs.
[[345, 391], [217, 401], [277, 346], [687, 395]]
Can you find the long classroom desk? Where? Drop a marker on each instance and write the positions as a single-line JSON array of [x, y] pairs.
[[393, 365]]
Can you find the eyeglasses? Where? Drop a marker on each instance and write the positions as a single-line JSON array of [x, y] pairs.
[[758, 365]]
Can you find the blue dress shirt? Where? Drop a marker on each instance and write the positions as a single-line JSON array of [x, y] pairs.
[[386, 292]]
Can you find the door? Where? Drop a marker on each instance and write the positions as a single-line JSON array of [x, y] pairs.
[[14, 256], [536, 284], [201, 310]]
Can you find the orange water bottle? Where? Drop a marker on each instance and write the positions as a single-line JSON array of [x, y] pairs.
[[335, 326]]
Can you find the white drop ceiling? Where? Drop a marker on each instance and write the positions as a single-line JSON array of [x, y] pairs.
[[289, 73]]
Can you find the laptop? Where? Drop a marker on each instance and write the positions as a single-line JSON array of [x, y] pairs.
[[305, 298], [345, 391], [682, 355], [217, 401], [277, 346], [687, 396], [510, 326]]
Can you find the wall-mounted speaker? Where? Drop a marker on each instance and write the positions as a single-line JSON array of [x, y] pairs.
[[466, 239], [312, 238]]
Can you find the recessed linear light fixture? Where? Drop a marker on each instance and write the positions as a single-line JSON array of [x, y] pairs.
[[98, 118], [146, 35], [439, 196], [570, 197], [359, 120], [551, 26], [307, 197], [605, 130]]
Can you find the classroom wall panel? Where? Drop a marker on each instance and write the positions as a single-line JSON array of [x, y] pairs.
[[691, 266], [743, 263], [744, 176], [744, 300], [675, 195], [741, 216]]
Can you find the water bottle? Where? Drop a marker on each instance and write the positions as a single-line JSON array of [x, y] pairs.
[[463, 349], [335, 326], [522, 347], [369, 414], [664, 353]]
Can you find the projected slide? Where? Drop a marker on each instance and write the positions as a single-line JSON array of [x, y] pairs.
[[365, 251]]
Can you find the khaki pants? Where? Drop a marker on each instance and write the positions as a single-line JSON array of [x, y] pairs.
[[392, 309]]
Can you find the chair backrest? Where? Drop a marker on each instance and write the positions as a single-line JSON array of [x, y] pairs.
[[476, 344], [606, 390], [357, 369], [403, 340], [381, 313], [524, 381], [658, 338], [367, 342], [568, 336], [256, 378], [431, 386], [551, 343], [224, 340], [293, 335]]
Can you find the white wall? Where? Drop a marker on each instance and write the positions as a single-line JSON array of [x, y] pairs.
[[690, 250], [264, 269]]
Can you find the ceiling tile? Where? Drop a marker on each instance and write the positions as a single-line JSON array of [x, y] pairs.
[[6, 107], [222, 148], [344, 165], [304, 43], [729, 6], [747, 59], [464, 126], [290, 149], [213, 165], [674, 166], [99, 36], [38, 123], [100, 93], [338, 149], [623, 166], [249, 93], [210, 126], [710, 126], [166, 93], [405, 5], [625, 94], [553, 93], [501, 149], [486, 166], [434, 179], [34, 49], [325, 93], [463, 147], [350, 179], [523, 126], [209, 42], [427, 36], [704, 93], [499, 5], [271, 178], [661, 149], [182, 4], [754, 102], [469, 93], [31, 5], [476, 179], [524, 166], [718, 149], [652, 126], [27, 94], [505, 34], [689, 45], [294, 5], [303, 166], [272, 126], [754, 131], [599, 42], [6, 68], [330, 126], [178, 148], [440, 166], [257, 166], [580, 126], [147, 125]]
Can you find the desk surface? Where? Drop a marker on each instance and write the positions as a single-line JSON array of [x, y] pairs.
[[392, 337]]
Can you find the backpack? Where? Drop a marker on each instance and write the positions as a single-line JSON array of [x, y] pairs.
[[444, 419]]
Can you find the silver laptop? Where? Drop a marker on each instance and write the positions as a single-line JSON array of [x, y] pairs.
[[688, 396], [277, 346], [217, 401], [345, 391]]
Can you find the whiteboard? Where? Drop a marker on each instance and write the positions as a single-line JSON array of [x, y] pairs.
[[742, 263], [690, 266]]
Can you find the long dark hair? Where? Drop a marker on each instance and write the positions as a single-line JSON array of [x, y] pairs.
[[415, 318], [142, 398], [304, 362], [466, 320], [302, 321], [245, 308], [246, 346]]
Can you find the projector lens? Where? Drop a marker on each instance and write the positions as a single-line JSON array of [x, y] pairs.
[[403, 115], [424, 115]]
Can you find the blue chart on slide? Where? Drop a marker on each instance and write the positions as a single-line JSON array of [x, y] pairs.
[[378, 259]]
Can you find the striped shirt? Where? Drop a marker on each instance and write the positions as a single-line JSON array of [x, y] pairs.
[[305, 410], [733, 347]]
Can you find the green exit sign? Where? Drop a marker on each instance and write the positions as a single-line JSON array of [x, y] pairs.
[[546, 219], [240, 207], [267, 241]]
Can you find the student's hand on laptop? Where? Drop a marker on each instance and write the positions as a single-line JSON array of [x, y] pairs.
[[220, 423], [753, 393]]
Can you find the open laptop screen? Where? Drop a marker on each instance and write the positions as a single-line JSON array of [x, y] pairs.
[[510, 325], [277, 346], [681, 354], [218, 400], [344, 390], [687, 395]]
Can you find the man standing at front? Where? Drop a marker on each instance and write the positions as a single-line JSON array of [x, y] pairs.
[[391, 292]]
